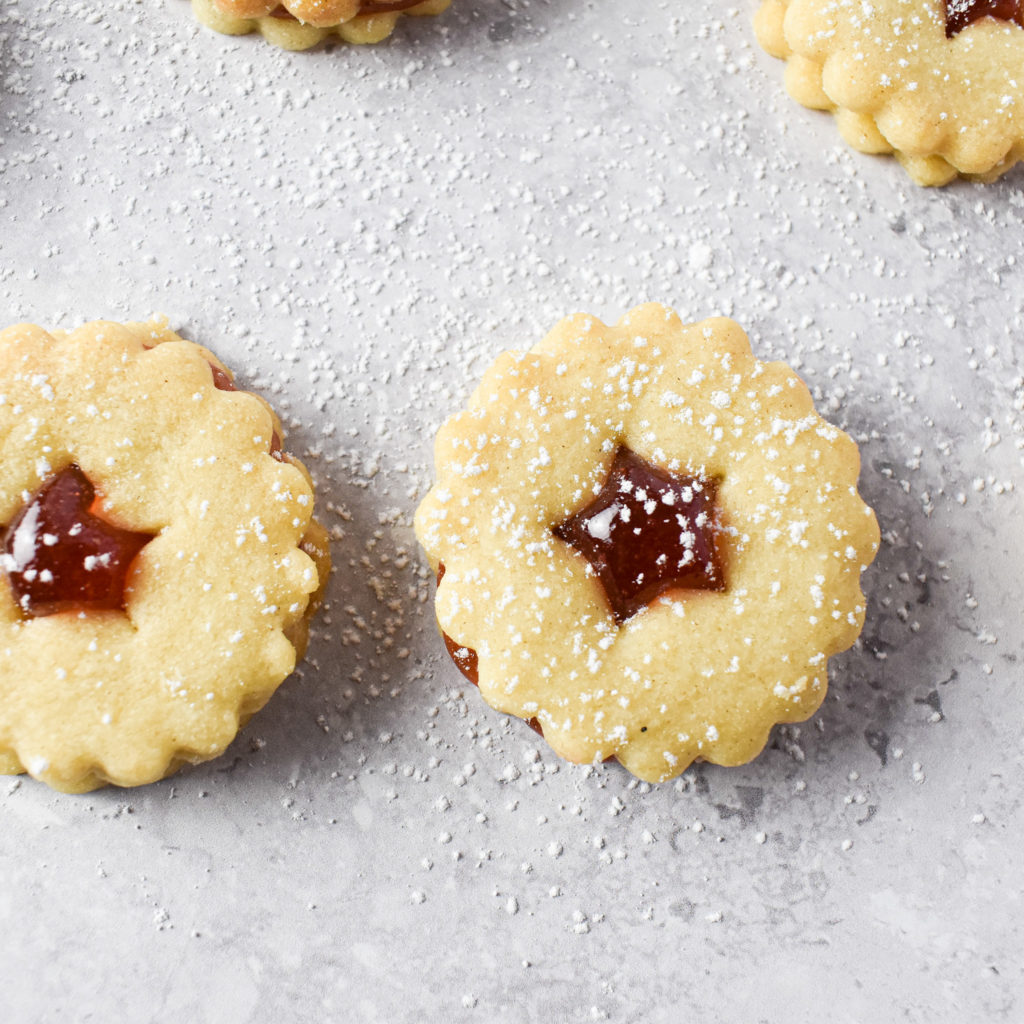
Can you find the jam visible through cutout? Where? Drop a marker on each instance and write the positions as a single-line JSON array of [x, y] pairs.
[[961, 13], [646, 532], [61, 557]]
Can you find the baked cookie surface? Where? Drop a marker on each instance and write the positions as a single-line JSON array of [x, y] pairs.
[[663, 462], [127, 453], [301, 24], [938, 83]]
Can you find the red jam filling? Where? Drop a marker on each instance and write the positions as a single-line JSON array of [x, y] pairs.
[[61, 557], [961, 13], [647, 532], [221, 380], [366, 7], [386, 6]]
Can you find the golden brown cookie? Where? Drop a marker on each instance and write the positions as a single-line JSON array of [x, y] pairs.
[[159, 561], [648, 541], [301, 24], [936, 82]]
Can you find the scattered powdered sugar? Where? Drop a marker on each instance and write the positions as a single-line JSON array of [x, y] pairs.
[[359, 234], [599, 526]]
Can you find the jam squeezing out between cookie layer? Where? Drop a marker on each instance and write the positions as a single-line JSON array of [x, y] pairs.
[[467, 661], [367, 7], [646, 532], [961, 13], [222, 382], [60, 557]]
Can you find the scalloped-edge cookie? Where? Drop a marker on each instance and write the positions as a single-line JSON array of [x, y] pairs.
[[203, 525], [647, 542], [946, 98], [301, 24]]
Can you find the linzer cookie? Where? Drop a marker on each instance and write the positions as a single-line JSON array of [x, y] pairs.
[[647, 542], [300, 24], [159, 561], [936, 82]]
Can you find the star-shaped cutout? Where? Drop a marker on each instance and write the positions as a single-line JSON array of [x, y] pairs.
[[961, 13], [646, 532], [59, 556]]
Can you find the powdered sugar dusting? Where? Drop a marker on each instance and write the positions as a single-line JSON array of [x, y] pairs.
[[359, 233]]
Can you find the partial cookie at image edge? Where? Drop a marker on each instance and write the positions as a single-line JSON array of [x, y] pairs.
[[217, 603], [944, 107], [290, 33]]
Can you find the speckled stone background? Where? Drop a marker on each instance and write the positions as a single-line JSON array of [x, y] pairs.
[[359, 232]]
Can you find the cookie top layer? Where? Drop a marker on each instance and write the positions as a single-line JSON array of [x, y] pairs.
[[945, 95], [695, 673], [124, 696]]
